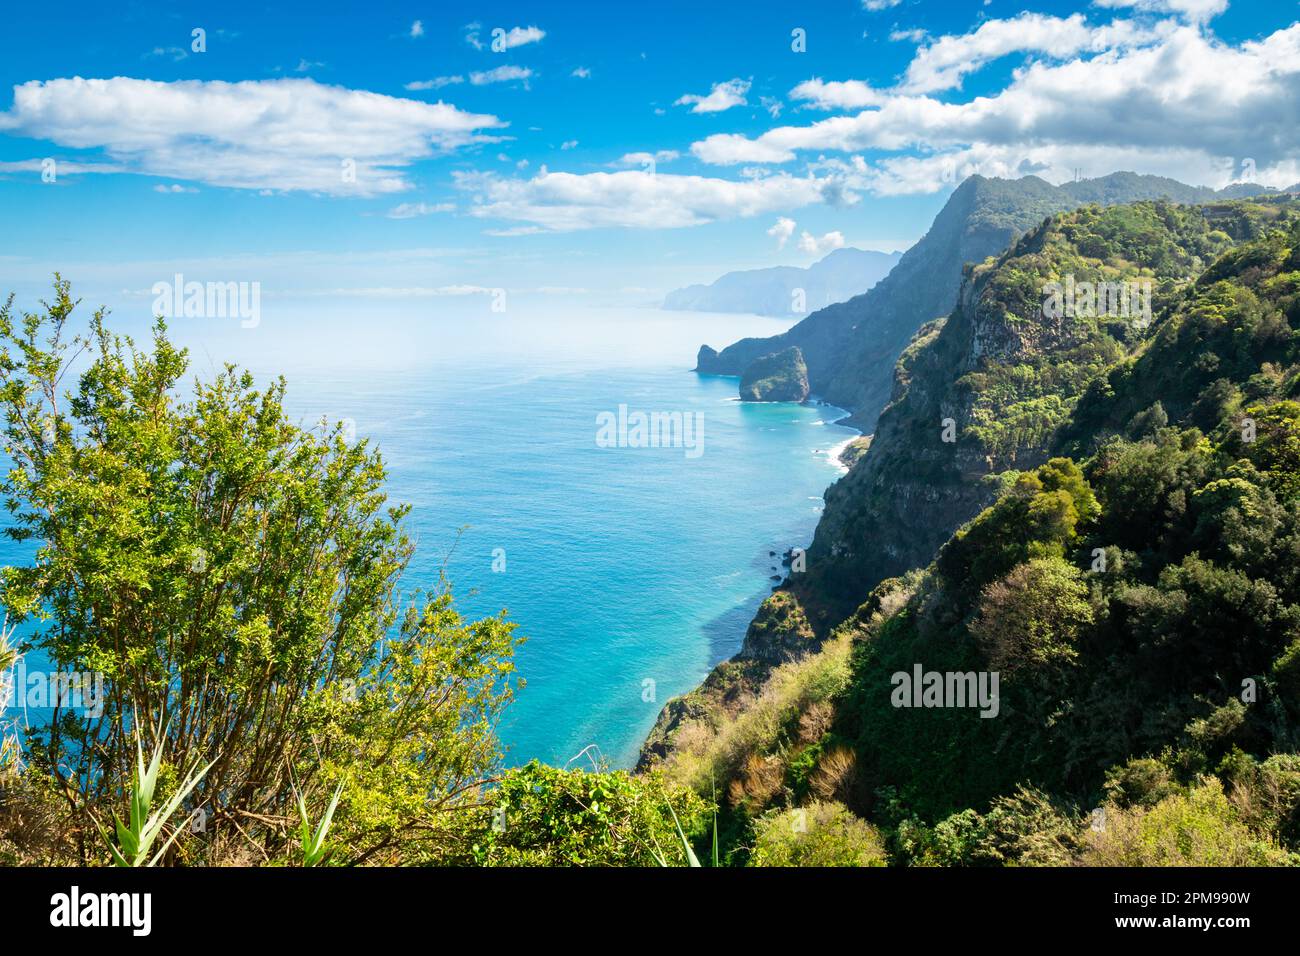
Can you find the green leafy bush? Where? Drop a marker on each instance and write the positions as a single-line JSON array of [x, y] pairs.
[[1201, 828], [545, 816], [820, 834]]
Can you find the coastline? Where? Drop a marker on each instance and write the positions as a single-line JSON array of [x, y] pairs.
[[747, 669]]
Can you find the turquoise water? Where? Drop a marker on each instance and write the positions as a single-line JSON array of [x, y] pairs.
[[631, 571], [621, 565]]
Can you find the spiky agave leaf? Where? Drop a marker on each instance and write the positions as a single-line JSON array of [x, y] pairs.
[[135, 839], [691, 858], [313, 845]]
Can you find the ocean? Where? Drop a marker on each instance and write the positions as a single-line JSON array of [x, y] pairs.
[[630, 570]]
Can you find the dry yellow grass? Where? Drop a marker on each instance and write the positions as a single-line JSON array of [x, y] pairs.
[[705, 754]]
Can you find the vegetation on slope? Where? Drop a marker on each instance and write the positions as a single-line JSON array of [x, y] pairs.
[[234, 579], [851, 347], [1006, 376], [1131, 578], [780, 377]]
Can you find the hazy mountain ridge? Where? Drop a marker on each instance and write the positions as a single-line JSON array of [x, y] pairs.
[[840, 275]]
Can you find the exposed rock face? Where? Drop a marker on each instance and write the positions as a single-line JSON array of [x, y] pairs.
[[724, 691], [1004, 375], [781, 377], [780, 632], [1007, 376], [854, 450], [706, 362], [850, 348]]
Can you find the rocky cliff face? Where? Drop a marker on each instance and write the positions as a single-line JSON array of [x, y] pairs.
[[781, 377], [1120, 589], [984, 391], [850, 348], [990, 388], [779, 633]]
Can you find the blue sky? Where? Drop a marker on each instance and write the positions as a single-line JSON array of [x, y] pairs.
[[228, 164]]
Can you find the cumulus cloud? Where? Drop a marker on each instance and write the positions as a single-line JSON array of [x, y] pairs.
[[501, 74], [61, 167], [581, 72], [417, 29], [515, 36], [781, 231], [1187, 95], [813, 246], [647, 159], [437, 83], [1196, 10], [287, 134], [876, 5], [944, 62], [838, 94], [173, 53], [723, 96], [566, 202], [914, 35]]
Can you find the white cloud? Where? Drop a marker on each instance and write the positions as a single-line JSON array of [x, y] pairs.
[[174, 53], [1057, 163], [62, 167], [781, 231], [944, 62], [1187, 95], [417, 29], [723, 96], [876, 5], [813, 246], [410, 210], [174, 188], [581, 73], [915, 35], [516, 36], [287, 134], [647, 159], [569, 144], [501, 74], [437, 83], [1196, 10], [565, 202], [838, 94], [729, 149]]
